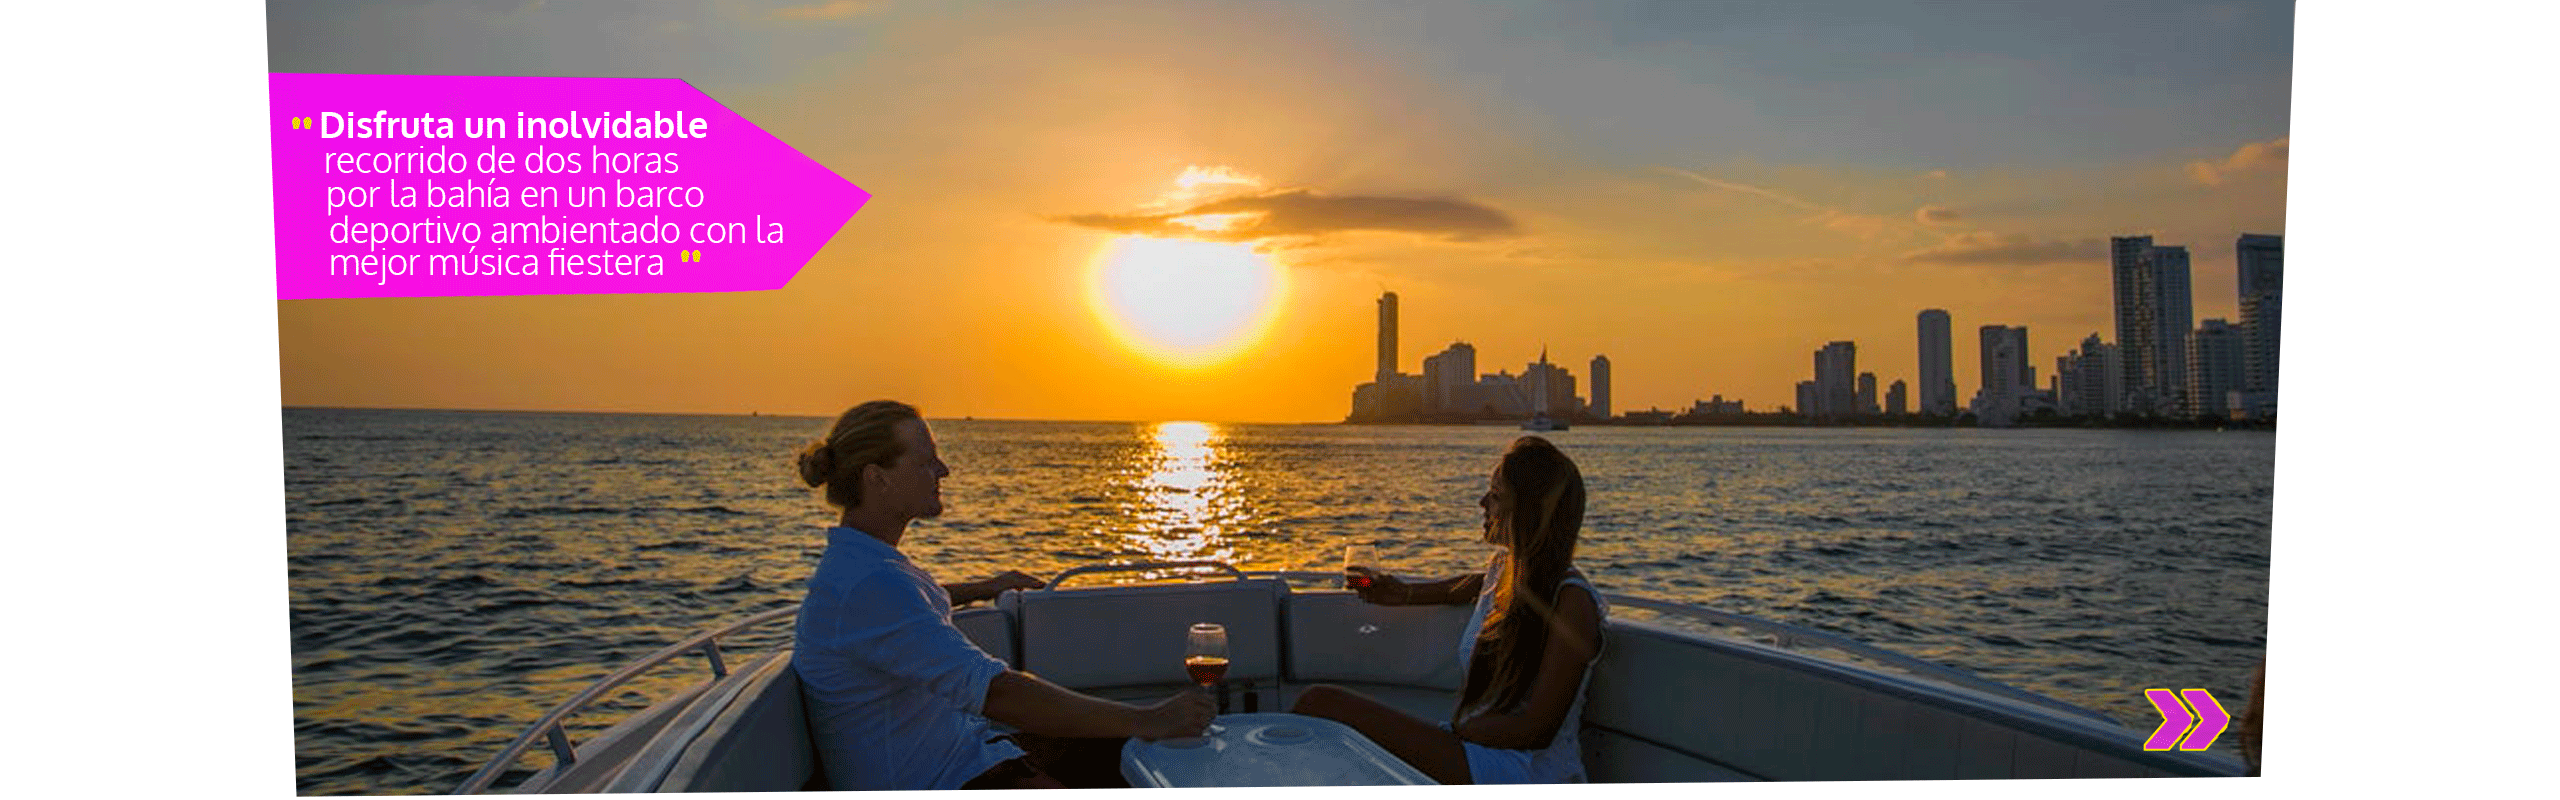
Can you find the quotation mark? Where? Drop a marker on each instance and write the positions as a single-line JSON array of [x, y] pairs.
[[2207, 719], [689, 256], [304, 123]]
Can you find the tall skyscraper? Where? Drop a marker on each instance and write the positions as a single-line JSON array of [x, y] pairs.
[[2216, 357], [1897, 399], [1867, 395], [2262, 322], [2006, 375], [2261, 266], [2086, 381], [1449, 377], [1835, 376], [1600, 387], [1386, 336], [2261, 258], [2155, 307], [1937, 364], [2177, 320], [2136, 332]]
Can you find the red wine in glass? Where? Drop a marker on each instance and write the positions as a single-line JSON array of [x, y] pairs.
[[1205, 658], [1206, 670], [1356, 556]]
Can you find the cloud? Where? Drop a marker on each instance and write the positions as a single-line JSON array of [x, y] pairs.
[[1934, 216], [2251, 158], [1302, 212], [1987, 248], [1747, 189], [832, 9], [1935, 175], [1863, 226]]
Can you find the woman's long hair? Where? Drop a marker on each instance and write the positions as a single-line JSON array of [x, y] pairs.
[[1544, 524]]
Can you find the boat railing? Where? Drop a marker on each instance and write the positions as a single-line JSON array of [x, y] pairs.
[[549, 728], [1791, 637]]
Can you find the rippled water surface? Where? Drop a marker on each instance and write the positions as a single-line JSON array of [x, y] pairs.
[[454, 574]]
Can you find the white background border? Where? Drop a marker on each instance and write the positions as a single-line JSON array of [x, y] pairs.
[[2413, 547]]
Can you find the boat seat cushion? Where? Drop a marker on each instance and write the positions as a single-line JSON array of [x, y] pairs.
[[1134, 636], [990, 629], [1337, 637]]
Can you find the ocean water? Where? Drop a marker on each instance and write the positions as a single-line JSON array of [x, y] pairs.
[[455, 574]]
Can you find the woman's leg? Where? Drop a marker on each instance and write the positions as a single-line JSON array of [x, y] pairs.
[[1435, 752]]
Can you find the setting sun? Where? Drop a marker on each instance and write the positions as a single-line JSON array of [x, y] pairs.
[[1183, 302]]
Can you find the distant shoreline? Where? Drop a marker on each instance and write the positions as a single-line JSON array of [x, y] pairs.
[[1772, 420]]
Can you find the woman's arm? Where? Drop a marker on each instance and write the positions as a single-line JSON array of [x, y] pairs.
[[1389, 590], [1572, 641]]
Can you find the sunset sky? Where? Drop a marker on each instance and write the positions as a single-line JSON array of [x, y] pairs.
[[1705, 192]]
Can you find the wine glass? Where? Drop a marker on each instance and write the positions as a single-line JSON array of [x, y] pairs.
[[1205, 658], [1357, 555]]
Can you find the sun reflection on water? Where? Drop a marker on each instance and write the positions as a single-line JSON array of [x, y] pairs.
[[1187, 501]]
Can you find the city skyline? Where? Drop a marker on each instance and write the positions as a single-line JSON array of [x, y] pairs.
[[1191, 222]]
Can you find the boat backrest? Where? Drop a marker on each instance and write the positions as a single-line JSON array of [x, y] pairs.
[[1105, 637], [991, 629], [1667, 706], [759, 742], [1336, 636]]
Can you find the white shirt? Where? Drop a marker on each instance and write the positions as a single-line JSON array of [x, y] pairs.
[[1561, 760], [894, 692]]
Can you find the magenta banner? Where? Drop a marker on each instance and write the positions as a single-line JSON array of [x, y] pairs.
[[442, 186]]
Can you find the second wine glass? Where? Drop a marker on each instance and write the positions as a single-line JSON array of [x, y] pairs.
[[1205, 658]]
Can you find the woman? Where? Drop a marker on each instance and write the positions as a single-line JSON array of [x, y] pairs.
[[1527, 650]]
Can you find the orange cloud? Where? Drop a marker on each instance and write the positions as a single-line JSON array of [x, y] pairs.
[[832, 9], [2251, 158], [1299, 212], [2017, 250], [1934, 216]]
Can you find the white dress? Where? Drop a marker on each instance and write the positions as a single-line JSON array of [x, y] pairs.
[[1561, 760]]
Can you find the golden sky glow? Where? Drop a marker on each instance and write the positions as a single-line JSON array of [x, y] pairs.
[[1185, 211]]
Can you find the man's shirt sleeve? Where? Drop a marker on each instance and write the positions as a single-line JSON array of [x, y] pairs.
[[885, 624]]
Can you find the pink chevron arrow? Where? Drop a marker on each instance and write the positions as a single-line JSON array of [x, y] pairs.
[[2174, 719], [2214, 719]]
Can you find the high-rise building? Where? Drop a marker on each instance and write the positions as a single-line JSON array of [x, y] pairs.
[[2177, 319], [2086, 381], [2261, 320], [1600, 387], [2155, 308], [1897, 399], [2261, 258], [1807, 396], [1835, 376], [2005, 371], [2261, 267], [1937, 364], [1449, 377], [2215, 368], [1386, 336], [1867, 395]]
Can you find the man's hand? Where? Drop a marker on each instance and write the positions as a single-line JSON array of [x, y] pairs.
[[1012, 580], [965, 593], [1384, 589], [1183, 715]]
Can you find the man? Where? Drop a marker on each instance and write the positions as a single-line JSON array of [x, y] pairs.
[[897, 697]]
